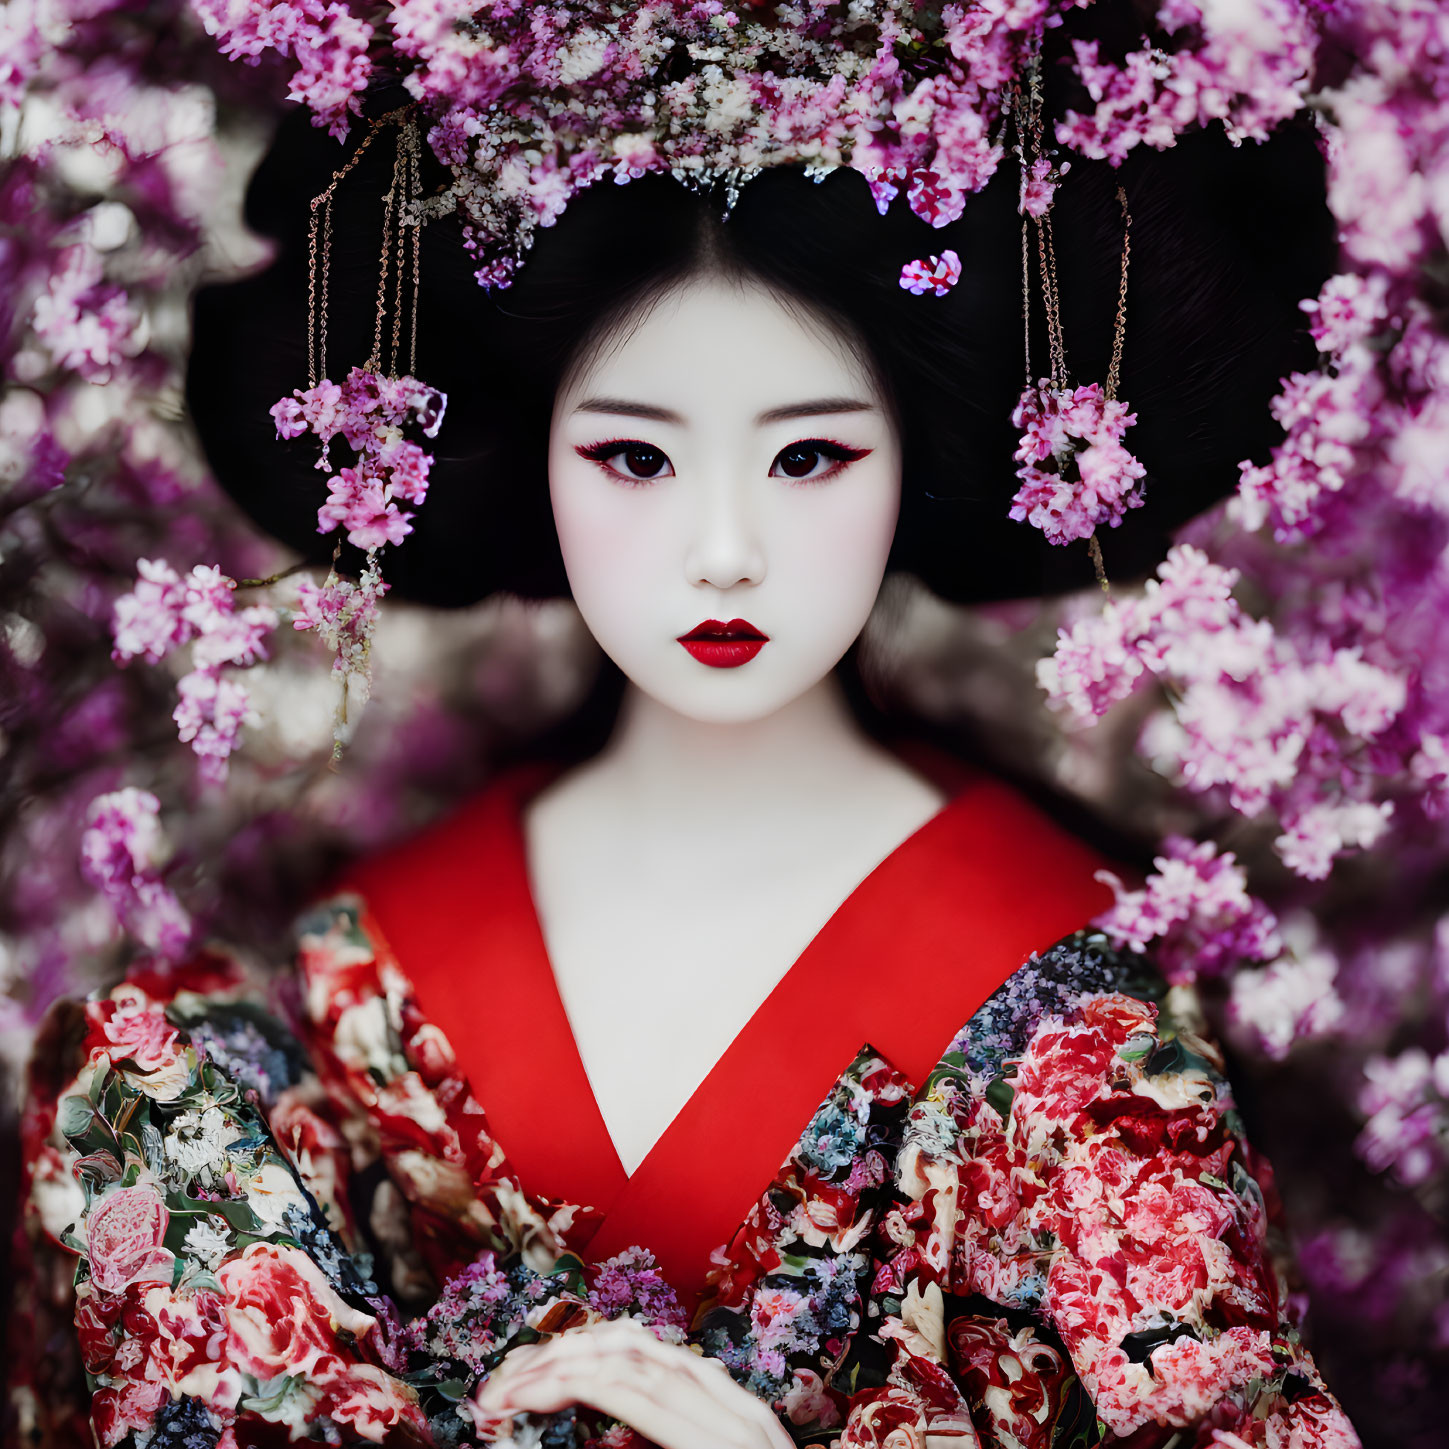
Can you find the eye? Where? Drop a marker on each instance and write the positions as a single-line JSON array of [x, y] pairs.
[[642, 462], [801, 461]]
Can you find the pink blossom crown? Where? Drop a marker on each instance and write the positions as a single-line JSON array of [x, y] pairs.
[[526, 104]]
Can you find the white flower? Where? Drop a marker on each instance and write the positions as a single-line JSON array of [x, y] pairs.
[[196, 1142], [205, 1242], [583, 58], [270, 1193], [364, 1038]]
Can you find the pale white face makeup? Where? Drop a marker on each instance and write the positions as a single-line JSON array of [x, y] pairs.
[[726, 459]]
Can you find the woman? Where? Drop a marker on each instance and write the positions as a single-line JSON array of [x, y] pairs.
[[640, 1085]]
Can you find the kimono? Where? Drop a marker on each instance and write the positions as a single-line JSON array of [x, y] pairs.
[[969, 1176]]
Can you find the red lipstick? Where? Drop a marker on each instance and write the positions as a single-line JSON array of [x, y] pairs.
[[724, 646]]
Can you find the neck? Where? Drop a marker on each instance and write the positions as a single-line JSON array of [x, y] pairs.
[[809, 745]]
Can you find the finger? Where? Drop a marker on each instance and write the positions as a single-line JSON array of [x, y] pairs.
[[623, 1349], [697, 1424], [672, 1378], [587, 1362], [516, 1361], [713, 1377]]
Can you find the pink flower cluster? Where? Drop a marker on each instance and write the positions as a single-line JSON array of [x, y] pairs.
[[1092, 479], [1195, 905], [87, 324], [343, 614], [1405, 1099], [1249, 67], [164, 612], [123, 852], [936, 274], [1039, 185], [1329, 415], [1256, 720], [326, 42], [370, 412], [1292, 999], [532, 103]]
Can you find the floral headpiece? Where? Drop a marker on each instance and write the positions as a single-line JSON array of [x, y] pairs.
[[526, 105]]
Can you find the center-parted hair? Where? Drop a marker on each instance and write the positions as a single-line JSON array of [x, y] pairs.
[[1225, 243]]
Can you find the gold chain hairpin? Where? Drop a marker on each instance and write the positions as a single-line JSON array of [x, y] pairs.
[[400, 219], [400, 215], [1120, 327]]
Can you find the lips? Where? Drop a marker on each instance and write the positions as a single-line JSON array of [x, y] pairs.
[[724, 646]]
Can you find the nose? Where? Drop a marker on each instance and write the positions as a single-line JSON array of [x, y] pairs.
[[725, 547]]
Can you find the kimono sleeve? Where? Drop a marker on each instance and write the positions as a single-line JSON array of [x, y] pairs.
[[1085, 1245], [45, 1383], [180, 1273]]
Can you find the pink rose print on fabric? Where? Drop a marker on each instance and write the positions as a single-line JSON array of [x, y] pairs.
[[283, 1315], [133, 1405], [124, 1234], [937, 273], [136, 1027], [371, 1401]]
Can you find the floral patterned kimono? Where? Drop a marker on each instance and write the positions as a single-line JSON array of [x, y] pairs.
[[258, 1209]]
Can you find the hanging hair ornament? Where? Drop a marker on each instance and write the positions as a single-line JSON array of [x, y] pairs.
[[1076, 474], [371, 407]]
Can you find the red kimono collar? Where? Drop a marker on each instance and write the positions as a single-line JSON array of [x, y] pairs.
[[903, 963]]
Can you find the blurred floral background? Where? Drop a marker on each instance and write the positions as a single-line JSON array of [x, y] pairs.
[[1272, 711]]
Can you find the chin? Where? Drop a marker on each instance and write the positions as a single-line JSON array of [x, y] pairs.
[[726, 696], [745, 708]]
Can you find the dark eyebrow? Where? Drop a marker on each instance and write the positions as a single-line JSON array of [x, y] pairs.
[[816, 408], [628, 409]]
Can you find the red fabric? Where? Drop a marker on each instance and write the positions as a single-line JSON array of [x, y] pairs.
[[905, 961]]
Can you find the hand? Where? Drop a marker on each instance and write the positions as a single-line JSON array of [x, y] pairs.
[[674, 1397]]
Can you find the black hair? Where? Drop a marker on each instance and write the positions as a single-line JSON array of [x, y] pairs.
[[1225, 242]]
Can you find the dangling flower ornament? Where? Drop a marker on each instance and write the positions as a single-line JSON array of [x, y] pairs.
[[1090, 480], [370, 411], [1077, 475]]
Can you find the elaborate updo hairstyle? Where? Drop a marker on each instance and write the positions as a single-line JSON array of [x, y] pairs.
[[1225, 242]]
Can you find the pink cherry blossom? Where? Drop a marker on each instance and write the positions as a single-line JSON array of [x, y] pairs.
[[1038, 186], [123, 851], [149, 621], [86, 323], [209, 715], [1195, 910], [937, 274], [1290, 1000], [164, 612], [1406, 1101], [369, 410]]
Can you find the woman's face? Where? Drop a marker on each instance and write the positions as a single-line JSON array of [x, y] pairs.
[[730, 461]]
